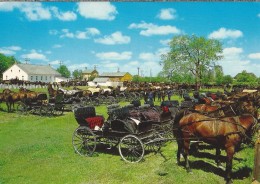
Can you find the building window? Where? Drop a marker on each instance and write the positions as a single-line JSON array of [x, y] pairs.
[[11, 70], [22, 77], [41, 78], [31, 78], [46, 77], [36, 78], [19, 70], [6, 77]]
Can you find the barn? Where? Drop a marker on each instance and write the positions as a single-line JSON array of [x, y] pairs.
[[88, 74], [117, 76], [32, 73]]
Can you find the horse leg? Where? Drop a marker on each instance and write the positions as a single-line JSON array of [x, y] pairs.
[[218, 151], [185, 155], [179, 151], [230, 153]]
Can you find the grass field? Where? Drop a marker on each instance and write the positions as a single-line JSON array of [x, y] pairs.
[[38, 150]]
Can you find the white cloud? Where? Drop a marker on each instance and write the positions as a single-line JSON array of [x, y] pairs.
[[53, 32], [55, 62], [56, 46], [235, 62], [258, 15], [64, 16], [35, 11], [66, 34], [14, 48], [224, 33], [115, 38], [165, 42], [114, 55], [77, 66], [87, 33], [34, 55], [97, 10], [149, 29], [167, 14], [7, 51], [11, 50], [254, 56]]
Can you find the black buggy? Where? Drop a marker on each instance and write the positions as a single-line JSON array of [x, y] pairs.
[[127, 128]]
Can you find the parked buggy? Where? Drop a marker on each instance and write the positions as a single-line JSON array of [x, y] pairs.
[[34, 106], [41, 105], [131, 135]]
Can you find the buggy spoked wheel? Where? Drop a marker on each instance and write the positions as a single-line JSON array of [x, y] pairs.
[[84, 141], [22, 108], [46, 110], [131, 149], [58, 110]]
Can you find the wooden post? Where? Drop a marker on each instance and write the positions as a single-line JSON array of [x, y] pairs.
[[256, 172]]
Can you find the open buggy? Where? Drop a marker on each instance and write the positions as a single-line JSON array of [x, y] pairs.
[[132, 129]]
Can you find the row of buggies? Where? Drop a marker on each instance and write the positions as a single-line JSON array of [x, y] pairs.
[[134, 129]]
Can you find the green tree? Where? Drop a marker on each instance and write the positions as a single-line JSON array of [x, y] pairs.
[[191, 54], [219, 74], [64, 71], [245, 77], [77, 74], [227, 79], [6, 62]]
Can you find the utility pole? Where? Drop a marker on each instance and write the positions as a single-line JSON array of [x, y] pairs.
[[138, 68], [26, 60], [118, 69], [60, 63]]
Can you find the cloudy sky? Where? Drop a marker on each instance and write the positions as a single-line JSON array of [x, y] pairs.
[[127, 35]]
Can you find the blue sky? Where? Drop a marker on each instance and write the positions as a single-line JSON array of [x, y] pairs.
[[127, 35]]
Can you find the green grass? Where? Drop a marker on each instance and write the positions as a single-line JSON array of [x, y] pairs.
[[36, 149]]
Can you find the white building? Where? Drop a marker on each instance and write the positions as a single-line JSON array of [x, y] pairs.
[[32, 73]]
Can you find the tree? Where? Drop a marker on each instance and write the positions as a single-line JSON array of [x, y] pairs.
[[191, 54], [244, 76], [6, 62], [64, 71], [219, 74], [227, 79], [77, 74]]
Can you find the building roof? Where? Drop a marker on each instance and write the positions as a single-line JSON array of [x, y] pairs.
[[101, 79], [89, 71], [38, 69], [113, 74]]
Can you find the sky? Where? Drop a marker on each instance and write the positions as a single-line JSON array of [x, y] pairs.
[[125, 36]]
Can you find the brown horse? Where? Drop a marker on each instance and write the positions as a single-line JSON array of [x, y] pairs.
[[10, 97], [225, 133]]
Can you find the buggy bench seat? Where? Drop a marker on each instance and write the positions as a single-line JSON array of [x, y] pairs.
[[86, 116]]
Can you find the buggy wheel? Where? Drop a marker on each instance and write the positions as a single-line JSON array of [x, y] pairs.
[[84, 141], [58, 109], [22, 108], [131, 149], [46, 110]]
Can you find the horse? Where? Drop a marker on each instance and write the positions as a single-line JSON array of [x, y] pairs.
[[224, 133], [10, 97], [52, 92]]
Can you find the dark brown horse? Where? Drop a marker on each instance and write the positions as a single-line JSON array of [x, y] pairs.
[[225, 133], [52, 92]]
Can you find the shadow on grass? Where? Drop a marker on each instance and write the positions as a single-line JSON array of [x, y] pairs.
[[239, 174]]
